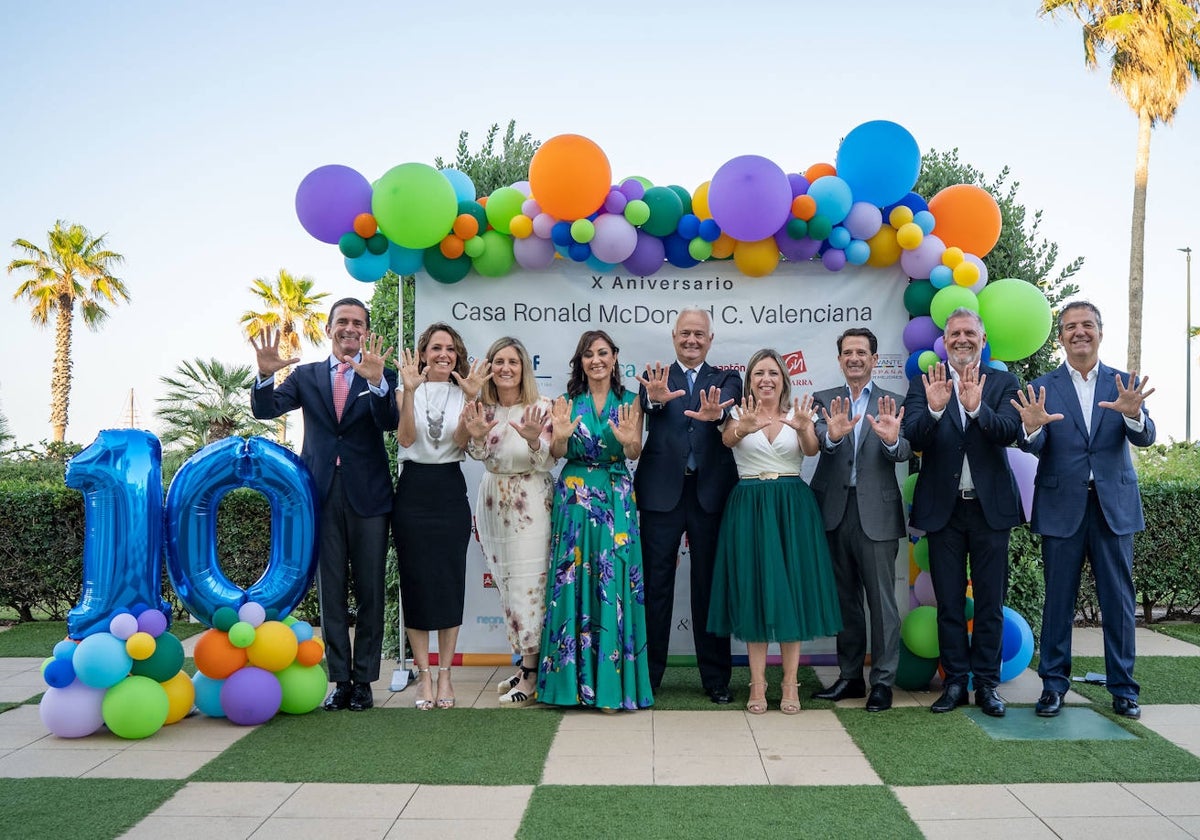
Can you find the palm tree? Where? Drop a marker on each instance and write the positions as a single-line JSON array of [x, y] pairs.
[[292, 308], [1154, 54], [75, 270], [205, 402]]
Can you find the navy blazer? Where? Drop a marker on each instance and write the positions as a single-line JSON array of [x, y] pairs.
[[658, 481], [1067, 455], [943, 443], [357, 439], [880, 507]]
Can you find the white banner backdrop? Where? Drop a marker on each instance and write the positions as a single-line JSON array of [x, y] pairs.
[[800, 310]]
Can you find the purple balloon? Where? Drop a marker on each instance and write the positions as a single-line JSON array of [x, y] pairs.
[[920, 333], [153, 622], [251, 696], [72, 712], [834, 259], [796, 250], [533, 253], [543, 225], [923, 590], [531, 208], [939, 347], [798, 183], [329, 198], [923, 259], [615, 239], [750, 197], [616, 201], [864, 220], [648, 255], [1024, 466], [633, 189]]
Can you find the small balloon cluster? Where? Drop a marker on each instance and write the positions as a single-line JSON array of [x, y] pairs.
[[249, 666], [127, 679], [919, 647]]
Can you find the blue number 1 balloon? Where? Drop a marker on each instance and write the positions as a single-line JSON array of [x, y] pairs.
[[120, 476]]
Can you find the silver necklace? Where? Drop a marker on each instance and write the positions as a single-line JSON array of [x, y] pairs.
[[435, 418]]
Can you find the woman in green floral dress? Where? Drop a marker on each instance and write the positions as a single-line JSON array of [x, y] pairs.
[[593, 650]]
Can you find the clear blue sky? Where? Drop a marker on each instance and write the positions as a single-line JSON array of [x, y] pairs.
[[183, 130]]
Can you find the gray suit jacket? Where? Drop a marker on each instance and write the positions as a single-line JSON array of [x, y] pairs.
[[880, 509]]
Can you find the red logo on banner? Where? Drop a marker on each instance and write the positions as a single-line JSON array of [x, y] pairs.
[[795, 363], [488, 582]]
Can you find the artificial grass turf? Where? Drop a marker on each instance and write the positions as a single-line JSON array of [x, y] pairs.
[[1164, 679], [380, 746], [1188, 631], [910, 746], [38, 638], [94, 808], [628, 813], [681, 691]]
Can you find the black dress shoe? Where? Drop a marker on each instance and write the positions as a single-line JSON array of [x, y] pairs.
[[721, 695], [843, 690], [361, 698], [953, 696], [989, 702], [880, 699], [339, 698], [1049, 704], [1127, 708]]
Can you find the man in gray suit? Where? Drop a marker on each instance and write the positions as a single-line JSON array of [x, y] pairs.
[[855, 485]]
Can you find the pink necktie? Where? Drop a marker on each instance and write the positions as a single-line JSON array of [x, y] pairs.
[[341, 388]]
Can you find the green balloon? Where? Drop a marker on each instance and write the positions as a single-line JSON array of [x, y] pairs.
[[685, 198], [445, 270], [637, 212], [352, 245], [502, 205], [224, 618], [303, 688], [241, 635], [917, 296], [919, 632], [1016, 317], [136, 707], [921, 554], [913, 673], [910, 485], [927, 360], [797, 228], [377, 244], [474, 246], [819, 227], [665, 211], [414, 205], [698, 249], [948, 299], [497, 257], [582, 230], [164, 663]]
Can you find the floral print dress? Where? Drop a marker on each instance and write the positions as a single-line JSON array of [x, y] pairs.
[[512, 521], [593, 650]]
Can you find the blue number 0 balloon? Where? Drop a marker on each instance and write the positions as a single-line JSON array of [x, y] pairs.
[[120, 476], [192, 501]]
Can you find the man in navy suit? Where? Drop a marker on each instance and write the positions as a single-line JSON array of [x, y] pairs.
[[1086, 503], [966, 502], [344, 450], [682, 480]]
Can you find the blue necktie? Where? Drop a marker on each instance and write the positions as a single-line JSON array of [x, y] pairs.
[[691, 458], [691, 379]]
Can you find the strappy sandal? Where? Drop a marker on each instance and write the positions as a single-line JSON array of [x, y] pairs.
[[505, 686], [790, 707], [517, 699], [444, 702], [757, 707], [423, 704]]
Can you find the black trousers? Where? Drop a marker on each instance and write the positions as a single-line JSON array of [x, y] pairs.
[[352, 553], [661, 532]]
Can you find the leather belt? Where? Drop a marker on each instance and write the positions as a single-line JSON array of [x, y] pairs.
[[770, 476]]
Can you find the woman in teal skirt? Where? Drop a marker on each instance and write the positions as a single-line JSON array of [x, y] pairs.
[[593, 649], [773, 580]]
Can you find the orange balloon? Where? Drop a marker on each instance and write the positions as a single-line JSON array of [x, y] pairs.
[[215, 655], [700, 201], [819, 170], [465, 226], [365, 225], [967, 217], [804, 207], [757, 259], [451, 247], [570, 176], [723, 246], [309, 652]]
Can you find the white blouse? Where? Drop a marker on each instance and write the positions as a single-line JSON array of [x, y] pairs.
[[430, 399], [754, 454]]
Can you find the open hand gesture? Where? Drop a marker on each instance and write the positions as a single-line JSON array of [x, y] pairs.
[[887, 423], [627, 428], [655, 383], [750, 419], [533, 421], [266, 350], [371, 365], [1129, 400], [561, 422], [838, 422], [711, 407], [472, 385], [410, 373], [802, 413], [970, 388], [476, 421], [1032, 408], [938, 387]]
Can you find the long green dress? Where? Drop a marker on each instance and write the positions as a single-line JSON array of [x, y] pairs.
[[593, 650]]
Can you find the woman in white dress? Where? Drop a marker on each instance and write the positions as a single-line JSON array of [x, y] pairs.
[[510, 432]]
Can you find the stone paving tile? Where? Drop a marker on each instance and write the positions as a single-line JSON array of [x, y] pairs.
[[676, 742], [961, 803], [577, 720], [810, 742], [468, 802], [598, 770], [821, 770], [491, 829], [1115, 828], [1189, 824], [1027, 828], [1092, 799], [309, 828], [332, 800], [708, 769], [591, 742], [152, 764], [218, 799], [1089, 641], [155, 827], [30, 762], [1168, 798]]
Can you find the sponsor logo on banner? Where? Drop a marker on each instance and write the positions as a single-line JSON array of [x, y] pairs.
[[795, 363], [491, 622], [890, 368], [488, 581]]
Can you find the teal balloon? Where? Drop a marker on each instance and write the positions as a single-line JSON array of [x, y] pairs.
[[445, 270], [666, 210], [797, 228], [819, 227], [404, 260], [914, 673], [377, 244], [918, 295], [164, 663], [1016, 317], [368, 268], [352, 245], [685, 198], [414, 204]]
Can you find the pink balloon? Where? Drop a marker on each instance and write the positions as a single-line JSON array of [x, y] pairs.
[[921, 260]]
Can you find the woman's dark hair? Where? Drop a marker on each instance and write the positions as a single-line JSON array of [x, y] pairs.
[[578, 382], [461, 366]]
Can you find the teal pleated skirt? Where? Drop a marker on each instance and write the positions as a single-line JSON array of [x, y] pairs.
[[773, 580]]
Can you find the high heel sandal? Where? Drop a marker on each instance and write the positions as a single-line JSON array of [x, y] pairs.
[[757, 707], [517, 699], [445, 702], [791, 707], [423, 704]]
